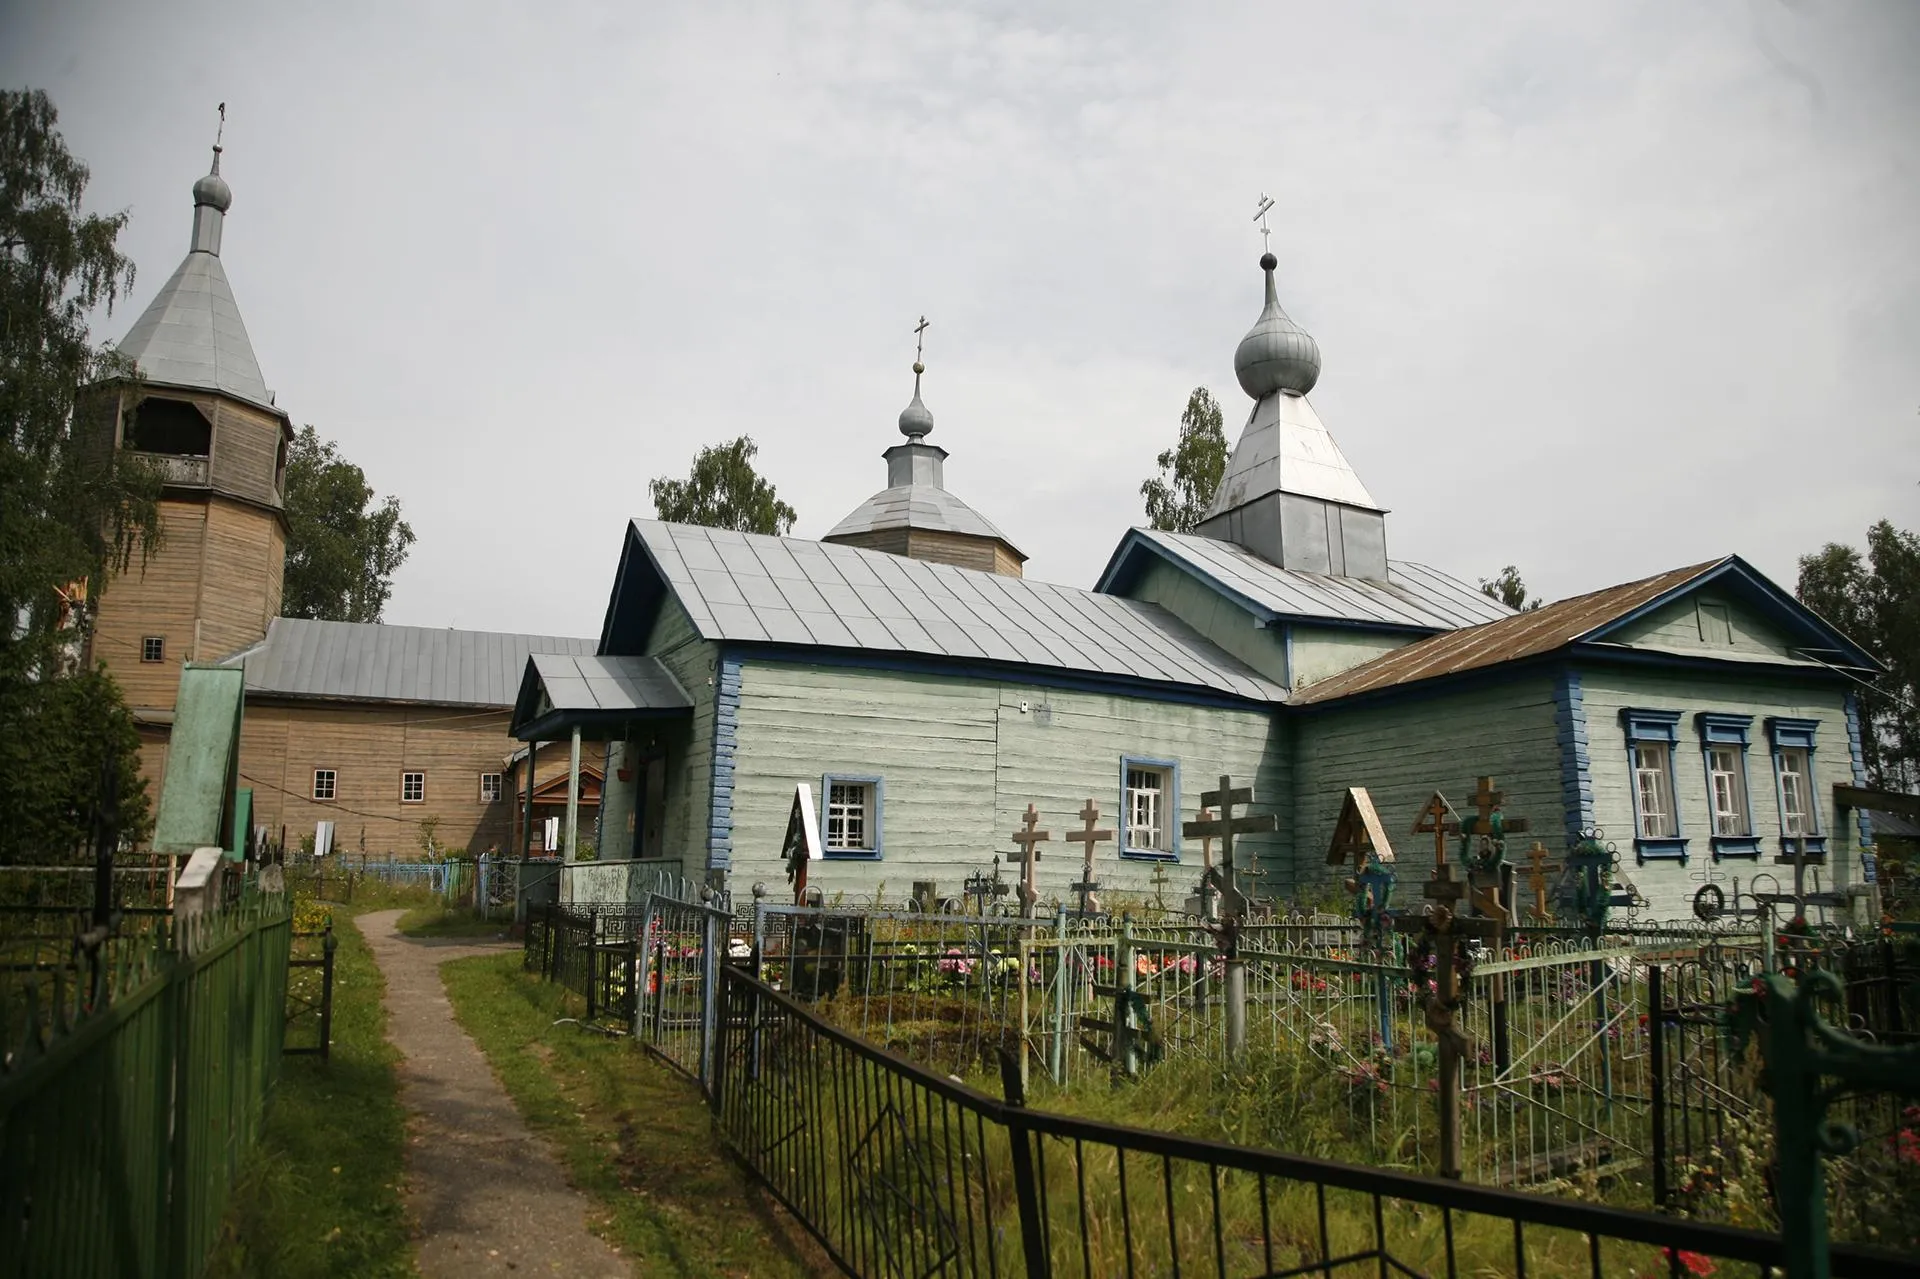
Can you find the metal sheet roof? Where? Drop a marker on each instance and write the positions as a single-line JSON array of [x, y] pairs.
[[1412, 596], [746, 587], [1521, 635], [572, 682], [921, 506], [1284, 448], [191, 335], [362, 661]]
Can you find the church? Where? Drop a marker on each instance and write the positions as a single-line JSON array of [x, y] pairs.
[[927, 693]]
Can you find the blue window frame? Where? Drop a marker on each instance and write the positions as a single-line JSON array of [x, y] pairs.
[[1723, 750], [850, 813], [1150, 808], [1792, 741], [1651, 738]]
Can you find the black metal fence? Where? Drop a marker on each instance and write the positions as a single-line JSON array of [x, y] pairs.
[[897, 1171]]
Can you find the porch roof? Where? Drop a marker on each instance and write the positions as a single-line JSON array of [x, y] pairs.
[[598, 695]]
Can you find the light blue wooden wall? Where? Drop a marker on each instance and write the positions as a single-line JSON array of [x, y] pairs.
[[1404, 751], [1322, 651], [1214, 616], [1670, 886], [961, 758], [688, 743]]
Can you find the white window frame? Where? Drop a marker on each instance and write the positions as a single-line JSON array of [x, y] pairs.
[[498, 787], [1805, 822], [156, 644], [851, 797], [407, 777], [1652, 738], [332, 785], [1149, 815], [1727, 788], [1797, 739]]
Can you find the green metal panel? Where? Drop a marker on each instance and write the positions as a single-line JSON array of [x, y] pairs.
[[202, 760], [1404, 751], [242, 823], [1669, 886]]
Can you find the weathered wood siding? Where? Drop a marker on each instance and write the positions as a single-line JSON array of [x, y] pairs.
[[1669, 885], [687, 744], [1695, 625], [1323, 651], [987, 554], [1214, 616], [961, 758], [1404, 751]]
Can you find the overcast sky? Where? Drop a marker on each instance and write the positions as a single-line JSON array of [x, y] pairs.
[[1600, 289]]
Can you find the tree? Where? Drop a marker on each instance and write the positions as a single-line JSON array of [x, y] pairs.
[[1875, 601], [723, 491], [342, 547], [1190, 471], [1509, 590], [57, 735]]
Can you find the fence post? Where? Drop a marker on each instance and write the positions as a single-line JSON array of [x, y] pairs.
[[326, 992], [1124, 1058], [593, 945], [1657, 1052], [709, 990], [1026, 1188], [647, 969], [1057, 1056]]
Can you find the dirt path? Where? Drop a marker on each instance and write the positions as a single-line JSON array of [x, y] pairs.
[[489, 1197]]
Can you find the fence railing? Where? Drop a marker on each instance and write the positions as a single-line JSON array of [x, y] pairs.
[[131, 1085], [896, 1170]]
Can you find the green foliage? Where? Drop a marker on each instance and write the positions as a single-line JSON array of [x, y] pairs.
[[1875, 601], [56, 738], [1178, 498], [68, 513], [342, 546], [723, 491], [1509, 590]]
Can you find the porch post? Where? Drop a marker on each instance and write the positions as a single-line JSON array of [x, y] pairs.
[[573, 798]]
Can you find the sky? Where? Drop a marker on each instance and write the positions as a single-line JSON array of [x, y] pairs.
[[1600, 290]]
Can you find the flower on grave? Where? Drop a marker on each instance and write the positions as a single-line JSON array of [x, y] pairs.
[[1143, 966], [956, 964], [1693, 1263], [1102, 961]]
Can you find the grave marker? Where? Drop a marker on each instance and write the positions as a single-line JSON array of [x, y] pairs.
[[1027, 837]]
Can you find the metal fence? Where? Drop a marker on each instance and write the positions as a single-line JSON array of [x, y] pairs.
[[896, 1171], [132, 1081]]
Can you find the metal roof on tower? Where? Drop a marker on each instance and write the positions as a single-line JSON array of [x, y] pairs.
[[191, 334]]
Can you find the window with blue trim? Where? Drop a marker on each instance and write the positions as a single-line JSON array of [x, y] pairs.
[[850, 815], [1723, 745], [1792, 742], [1149, 807], [1651, 736]]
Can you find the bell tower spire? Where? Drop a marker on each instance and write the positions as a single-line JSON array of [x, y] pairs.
[[212, 197]]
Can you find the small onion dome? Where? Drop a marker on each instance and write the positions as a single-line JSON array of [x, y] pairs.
[[213, 189], [916, 419], [1276, 354]]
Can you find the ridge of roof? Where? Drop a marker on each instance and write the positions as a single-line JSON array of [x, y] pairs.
[[1528, 634], [382, 662]]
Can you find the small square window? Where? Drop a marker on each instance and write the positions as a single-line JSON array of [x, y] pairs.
[[850, 816], [325, 783], [153, 648], [489, 788], [413, 788]]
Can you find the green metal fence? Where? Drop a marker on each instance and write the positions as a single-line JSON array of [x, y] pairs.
[[132, 1082]]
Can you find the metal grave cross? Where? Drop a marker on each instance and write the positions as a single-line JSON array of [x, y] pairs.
[[1087, 837], [1027, 837], [1226, 826], [1437, 819]]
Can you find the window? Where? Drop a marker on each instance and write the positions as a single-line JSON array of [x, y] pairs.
[[1651, 738], [324, 783], [153, 648], [1800, 828], [1149, 808], [1723, 743], [413, 788], [489, 788], [850, 813]]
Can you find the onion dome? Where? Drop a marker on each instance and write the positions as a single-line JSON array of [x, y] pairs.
[[916, 419], [1276, 354], [213, 189]]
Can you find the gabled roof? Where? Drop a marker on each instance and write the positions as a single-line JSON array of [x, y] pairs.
[[562, 690], [1584, 619], [1414, 597], [919, 506], [746, 588], [374, 662], [191, 335]]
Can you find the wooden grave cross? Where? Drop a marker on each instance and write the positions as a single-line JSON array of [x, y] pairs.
[[1027, 837], [1437, 819], [1226, 826], [1537, 878], [1206, 865], [1087, 837]]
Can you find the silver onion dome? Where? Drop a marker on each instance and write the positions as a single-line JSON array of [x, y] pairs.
[[1276, 354], [213, 189], [916, 419]]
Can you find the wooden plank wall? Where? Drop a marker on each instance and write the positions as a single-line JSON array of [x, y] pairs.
[[246, 444], [155, 599], [1214, 616], [687, 743]]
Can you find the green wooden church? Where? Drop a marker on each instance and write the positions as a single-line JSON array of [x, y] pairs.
[[926, 692]]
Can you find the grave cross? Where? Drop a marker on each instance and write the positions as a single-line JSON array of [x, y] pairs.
[[1027, 837], [1226, 826], [1537, 878], [1087, 837], [1206, 865], [1437, 820]]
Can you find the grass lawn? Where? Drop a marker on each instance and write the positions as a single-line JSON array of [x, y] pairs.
[[438, 920], [633, 1135], [320, 1194]]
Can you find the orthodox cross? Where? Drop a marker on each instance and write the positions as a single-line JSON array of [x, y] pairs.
[[919, 338], [1260, 216], [220, 132], [1027, 837], [1160, 885], [1087, 838], [1537, 878], [1437, 820], [1206, 867], [1226, 826]]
